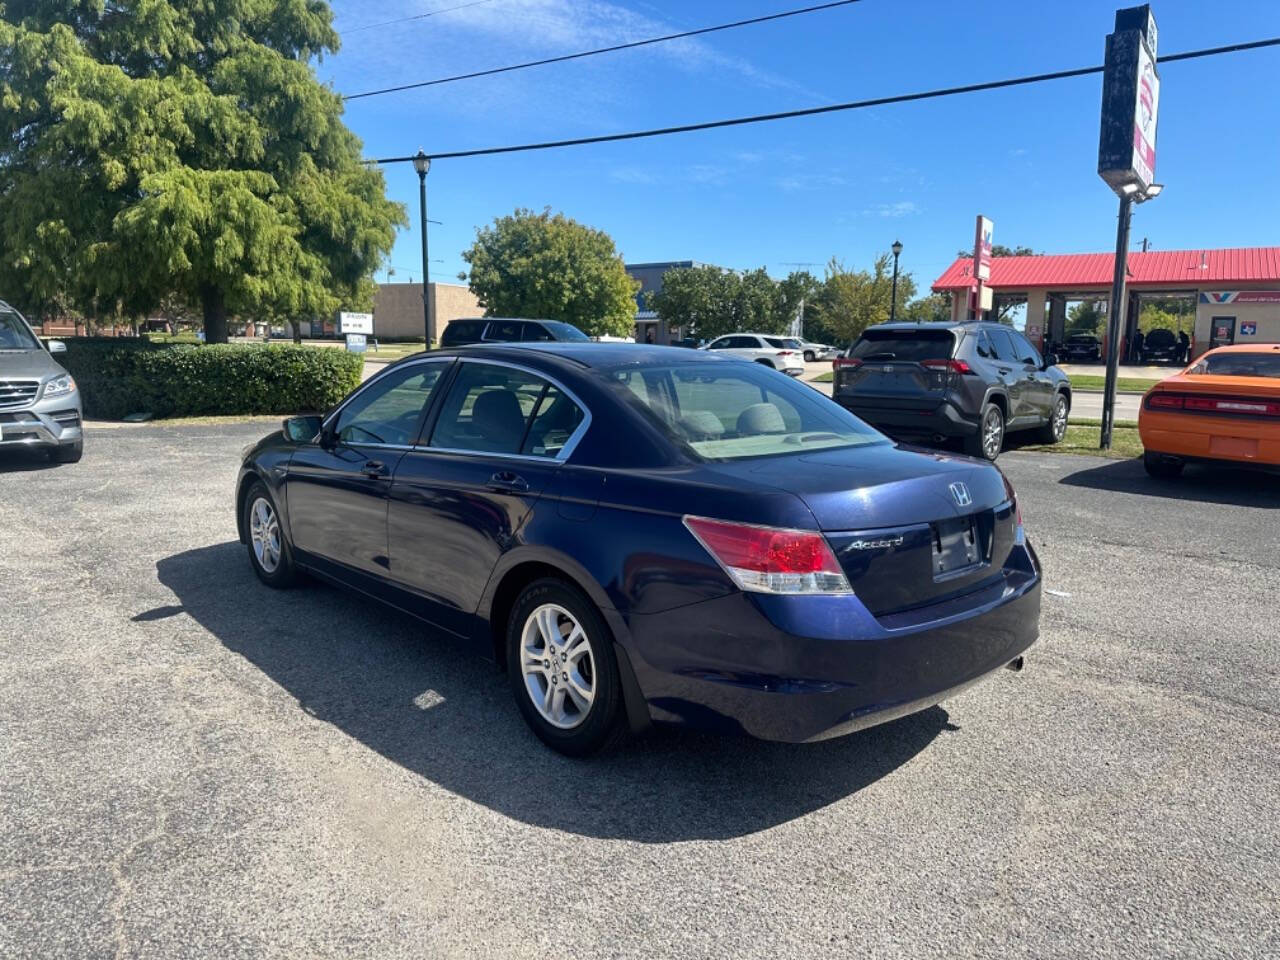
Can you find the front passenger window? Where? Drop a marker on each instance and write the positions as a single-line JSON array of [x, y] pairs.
[[387, 410]]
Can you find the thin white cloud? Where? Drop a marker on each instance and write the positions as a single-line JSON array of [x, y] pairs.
[[811, 181], [903, 208]]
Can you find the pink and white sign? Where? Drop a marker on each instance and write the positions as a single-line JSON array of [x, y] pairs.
[[1144, 118], [982, 249]]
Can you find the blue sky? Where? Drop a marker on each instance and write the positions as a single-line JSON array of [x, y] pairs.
[[803, 190]]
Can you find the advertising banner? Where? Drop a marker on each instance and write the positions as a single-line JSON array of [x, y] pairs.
[[355, 323], [982, 249]]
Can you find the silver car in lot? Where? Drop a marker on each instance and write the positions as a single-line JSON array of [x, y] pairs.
[[39, 403]]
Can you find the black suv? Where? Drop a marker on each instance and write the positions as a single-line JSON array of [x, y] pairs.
[[460, 332], [1160, 346], [938, 381]]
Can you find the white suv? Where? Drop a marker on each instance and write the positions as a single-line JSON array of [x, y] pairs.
[[769, 350]]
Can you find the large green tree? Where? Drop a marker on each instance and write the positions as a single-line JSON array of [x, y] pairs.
[[852, 300], [151, 148], [538, 265], [713, 301]]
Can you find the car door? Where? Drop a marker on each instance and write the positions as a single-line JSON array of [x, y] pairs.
[[1009, 369], [336, 490], [458, 502], [1037, 383]]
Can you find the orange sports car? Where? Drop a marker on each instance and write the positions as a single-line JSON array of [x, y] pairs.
[[1224, 408]]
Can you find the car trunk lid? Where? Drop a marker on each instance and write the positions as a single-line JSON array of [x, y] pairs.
[[909, 527]]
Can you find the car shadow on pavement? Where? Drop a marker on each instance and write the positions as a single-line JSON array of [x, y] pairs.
[[1204, 484], [432, 706], [24, 460]]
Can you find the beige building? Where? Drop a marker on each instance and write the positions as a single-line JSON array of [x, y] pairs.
[[397, 309]]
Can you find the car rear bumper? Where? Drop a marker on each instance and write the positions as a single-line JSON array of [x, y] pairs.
[[943, 420], [799, 669], [1209, 438]]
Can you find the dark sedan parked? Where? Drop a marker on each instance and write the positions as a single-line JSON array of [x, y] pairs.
[[643, 534], [1083, 347]]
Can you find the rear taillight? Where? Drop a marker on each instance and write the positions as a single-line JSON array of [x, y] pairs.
[[955, 366], [1013, 498], [771, 559], [1229, 406], [846, 362], [786, 353]]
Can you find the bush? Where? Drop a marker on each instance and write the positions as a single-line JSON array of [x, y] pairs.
[[122, 376]]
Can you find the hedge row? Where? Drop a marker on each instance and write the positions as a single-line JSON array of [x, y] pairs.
[[118, 377]]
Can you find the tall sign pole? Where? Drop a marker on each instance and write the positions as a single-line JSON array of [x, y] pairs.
[[982, 265], [1127, 162]]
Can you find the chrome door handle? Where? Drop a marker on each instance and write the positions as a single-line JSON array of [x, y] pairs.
[[374, 469], [507, 481]]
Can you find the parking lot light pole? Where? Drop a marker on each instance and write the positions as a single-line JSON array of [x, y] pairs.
[[893, 303], [422, 163]]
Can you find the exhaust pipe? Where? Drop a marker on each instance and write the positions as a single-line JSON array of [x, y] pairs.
[[1015, 665]]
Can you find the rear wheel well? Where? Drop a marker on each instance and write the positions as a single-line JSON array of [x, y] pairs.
[[765, 361], [504, 598], [1002, 402]]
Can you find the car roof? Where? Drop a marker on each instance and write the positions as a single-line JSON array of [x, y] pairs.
[[578, 353]]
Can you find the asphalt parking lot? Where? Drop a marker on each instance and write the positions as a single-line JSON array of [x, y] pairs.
[[193, 765]]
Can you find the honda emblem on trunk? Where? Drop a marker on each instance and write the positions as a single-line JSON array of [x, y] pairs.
[[961, 493]]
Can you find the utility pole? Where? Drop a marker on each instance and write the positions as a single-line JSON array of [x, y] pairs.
[[422, 163], [1116, 318]]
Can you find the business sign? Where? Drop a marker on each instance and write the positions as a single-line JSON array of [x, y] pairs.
[[1130, 103], [1249, 328], [1240, 296], [982, 249], [355, 323], [357, 343]]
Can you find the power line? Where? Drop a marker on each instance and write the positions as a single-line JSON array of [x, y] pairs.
[[595, 53], [831, 108], [418, 16]]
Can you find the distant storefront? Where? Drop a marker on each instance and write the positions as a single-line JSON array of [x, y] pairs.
[[1235, 292]]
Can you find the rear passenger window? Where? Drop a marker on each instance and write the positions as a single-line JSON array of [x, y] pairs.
[[504, 331], [462, 331], [985, 350], [534, 332], [498, 409]]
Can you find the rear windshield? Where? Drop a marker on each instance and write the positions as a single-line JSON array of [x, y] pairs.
[[732, 411], [1161, 336], [564, 331], [14, 333], [911, 345], [776, 342], [1240, 365]]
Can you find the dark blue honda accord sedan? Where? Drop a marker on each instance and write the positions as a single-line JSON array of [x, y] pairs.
[[649, 534]]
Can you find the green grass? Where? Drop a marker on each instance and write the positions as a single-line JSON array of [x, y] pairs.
[[824, 377], [1123, 384], [1082, 438]]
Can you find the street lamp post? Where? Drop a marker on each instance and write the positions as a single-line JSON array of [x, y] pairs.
[[422, 163], [893, 303]]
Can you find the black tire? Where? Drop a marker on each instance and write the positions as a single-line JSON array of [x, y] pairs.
[[987, 443], [603, 724], [284, 573], [809, 356], [1056, 428], [1158, 465], [69, 452]]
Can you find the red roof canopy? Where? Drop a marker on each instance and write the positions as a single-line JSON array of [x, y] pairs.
[[1158, 268]]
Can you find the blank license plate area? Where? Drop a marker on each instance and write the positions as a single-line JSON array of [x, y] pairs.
[[955, 546]]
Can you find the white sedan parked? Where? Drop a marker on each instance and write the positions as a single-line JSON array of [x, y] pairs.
[[761, 348]]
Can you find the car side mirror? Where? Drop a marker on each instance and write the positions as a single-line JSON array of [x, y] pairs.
[[303, 429], [1048, 360], [57, 346]]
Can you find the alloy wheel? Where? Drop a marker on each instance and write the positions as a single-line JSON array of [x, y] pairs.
[[558, 666], [992, 433], [264, 533], [1059, 419]]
